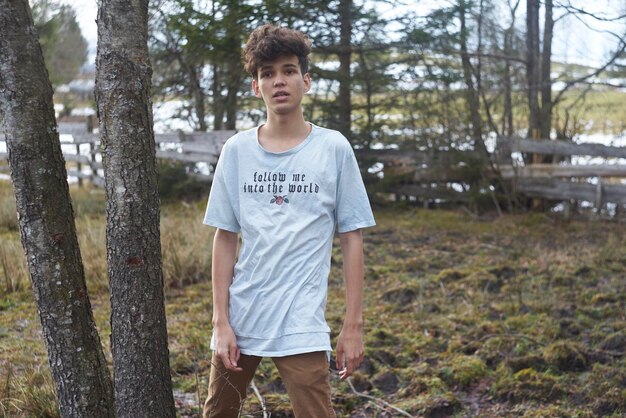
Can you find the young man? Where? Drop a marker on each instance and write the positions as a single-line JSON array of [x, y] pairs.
[[285, 186]]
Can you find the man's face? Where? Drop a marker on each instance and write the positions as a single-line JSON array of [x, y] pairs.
[[281, 85]]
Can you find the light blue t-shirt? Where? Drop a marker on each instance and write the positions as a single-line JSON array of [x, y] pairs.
[[286, 206]]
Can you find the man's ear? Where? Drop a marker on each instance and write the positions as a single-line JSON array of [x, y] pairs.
[[256, 89], [307, 82]]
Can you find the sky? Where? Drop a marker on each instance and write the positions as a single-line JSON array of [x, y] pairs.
[[574, 42]]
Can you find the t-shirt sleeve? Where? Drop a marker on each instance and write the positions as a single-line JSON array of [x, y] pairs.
[[220, 211], [353, 209]]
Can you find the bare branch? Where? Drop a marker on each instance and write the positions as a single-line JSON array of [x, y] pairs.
[[576, 10], [260, 398], [584, 78], [588, 26], [607, 84], [377, 400]]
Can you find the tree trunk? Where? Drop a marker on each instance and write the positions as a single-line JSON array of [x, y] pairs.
[[218, 102], [199, 98], [471, 95], [507, 120], [532, 66], [46, 220], [546, 84], [345, 79], [369, 107], [234, 85], [139, 335]]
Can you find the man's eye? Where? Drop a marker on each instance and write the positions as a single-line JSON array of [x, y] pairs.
[[266, 74]]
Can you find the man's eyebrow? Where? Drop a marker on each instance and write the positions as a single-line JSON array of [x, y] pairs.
[[271, 67]]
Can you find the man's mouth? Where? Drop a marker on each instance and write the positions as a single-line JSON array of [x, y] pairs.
[[280, 94]]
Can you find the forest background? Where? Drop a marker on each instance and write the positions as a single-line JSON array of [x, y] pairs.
[[467, 314]]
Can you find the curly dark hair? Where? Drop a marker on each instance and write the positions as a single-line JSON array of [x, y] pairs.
[[269, 42]]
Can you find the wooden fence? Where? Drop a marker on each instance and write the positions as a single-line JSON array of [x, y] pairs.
[[562, 180], [84, 160], [428, 176], [444, 175]]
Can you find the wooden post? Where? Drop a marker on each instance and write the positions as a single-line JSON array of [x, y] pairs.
[[567, 209], [79, 167], [92, 166], [598, 202], [90, 124], [536, 159]]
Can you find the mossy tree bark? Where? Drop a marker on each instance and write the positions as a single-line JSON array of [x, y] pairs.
[[46, 220], [142, 379]]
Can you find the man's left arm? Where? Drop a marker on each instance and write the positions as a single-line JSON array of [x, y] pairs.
[[350, 347]]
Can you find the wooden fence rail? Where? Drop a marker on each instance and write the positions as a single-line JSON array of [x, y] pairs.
[[192, 148]]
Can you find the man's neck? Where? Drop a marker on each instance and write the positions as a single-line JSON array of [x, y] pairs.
[[282, 132]]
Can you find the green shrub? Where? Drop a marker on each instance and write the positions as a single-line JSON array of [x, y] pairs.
[[175, 183]]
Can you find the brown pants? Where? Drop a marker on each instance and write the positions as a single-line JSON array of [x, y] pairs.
[[305, 377]]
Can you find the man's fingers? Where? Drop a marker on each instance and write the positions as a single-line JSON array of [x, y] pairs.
[[349, 367], [223, 355], [229, 360], [233, 358], [340, 360]]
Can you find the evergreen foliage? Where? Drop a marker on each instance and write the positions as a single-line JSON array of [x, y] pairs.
[[64, 47]]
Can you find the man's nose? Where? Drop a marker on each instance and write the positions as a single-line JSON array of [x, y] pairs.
[[279, 81]]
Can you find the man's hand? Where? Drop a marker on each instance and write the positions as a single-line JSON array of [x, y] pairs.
[[226, 347], [349, 350]]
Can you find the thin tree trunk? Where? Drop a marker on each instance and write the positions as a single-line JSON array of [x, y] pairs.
[[471, 95], [369, 107], [532, 66], [198, 98], [508, 84], [218, 102], [234, 84], [546, 84], [345, 79], [478, 73], [507, 117], [533, 74], [139, 335], [46, 220]]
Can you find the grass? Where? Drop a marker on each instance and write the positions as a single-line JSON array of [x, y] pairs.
[[519, 316], [599, 111]]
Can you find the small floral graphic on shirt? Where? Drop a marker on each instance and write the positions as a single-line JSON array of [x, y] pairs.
[[279, 200]]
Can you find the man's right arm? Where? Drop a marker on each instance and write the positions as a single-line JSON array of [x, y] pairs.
[[223, 265]]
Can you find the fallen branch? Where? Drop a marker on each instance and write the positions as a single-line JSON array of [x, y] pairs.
[[377, 401], [198, 390], [260, 398]]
